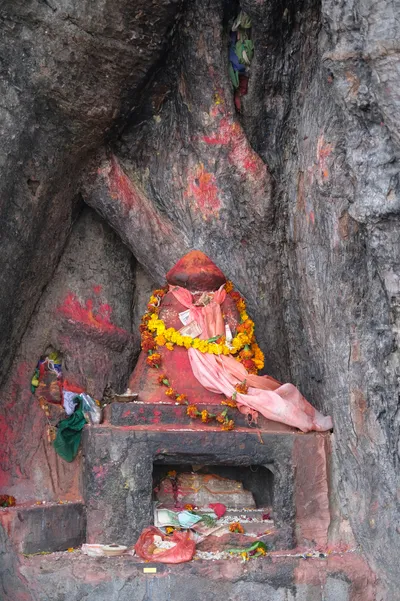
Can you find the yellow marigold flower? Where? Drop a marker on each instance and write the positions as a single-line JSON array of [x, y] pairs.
[[169, 529], [245, 556], [187, 341], [228, 425], [170, 392], [169, 346], [160, 340], [228, 286]]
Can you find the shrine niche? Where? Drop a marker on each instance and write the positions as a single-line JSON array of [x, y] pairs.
[[199, 343]]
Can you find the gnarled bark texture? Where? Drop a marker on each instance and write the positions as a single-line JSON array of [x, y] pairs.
[[296, 199]]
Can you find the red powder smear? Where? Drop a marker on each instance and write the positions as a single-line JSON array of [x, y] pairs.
[[72, 387], [97, 289], [133, 200], [100, 471], [157, 417], [73, 309], [241, 155], [323, 152], [126, 413], [203, 189]]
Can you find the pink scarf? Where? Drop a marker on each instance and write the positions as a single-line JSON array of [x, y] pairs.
[[219, 374]]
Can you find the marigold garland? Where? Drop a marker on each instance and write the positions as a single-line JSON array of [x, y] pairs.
[[243, 346]]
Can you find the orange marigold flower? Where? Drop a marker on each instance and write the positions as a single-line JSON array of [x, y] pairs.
[[169, 346], [250, 366], [189, 507], [241, 305], [246, 353], [160, 340], [192, 411], [236, 527], [242, 388], [181, 398], [154, 360], [228, 286], [160, 292], [172, 473], [163, 380], [221, 417], [228, 425], [169, 529], [229, 403], [170, 392], [205, 416]]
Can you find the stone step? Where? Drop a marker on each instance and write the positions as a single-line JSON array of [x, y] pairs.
[[137, 413], [45, 527], [73, 576]]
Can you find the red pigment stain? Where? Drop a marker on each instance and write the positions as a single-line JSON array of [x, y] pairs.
[[123, 189], [241, 154], [97, 289], [204, 191], [100, 471], [126, 413], [84, 313], [157, 417], [323, 152]]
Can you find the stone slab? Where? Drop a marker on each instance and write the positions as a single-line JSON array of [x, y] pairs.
[[50, 527], [140, 413]]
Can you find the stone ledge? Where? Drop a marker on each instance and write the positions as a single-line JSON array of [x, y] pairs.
[[143, 413], [51, 527], [344, 577]]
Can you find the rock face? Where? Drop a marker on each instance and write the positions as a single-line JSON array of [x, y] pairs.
[[296, 200]]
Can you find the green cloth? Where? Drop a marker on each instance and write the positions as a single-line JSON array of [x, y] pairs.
[[69, 434]]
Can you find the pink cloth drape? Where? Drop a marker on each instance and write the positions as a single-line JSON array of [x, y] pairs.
[[277, 402]]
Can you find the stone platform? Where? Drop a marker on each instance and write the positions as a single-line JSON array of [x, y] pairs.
[[118, 470], [45, 527], [73, 577]]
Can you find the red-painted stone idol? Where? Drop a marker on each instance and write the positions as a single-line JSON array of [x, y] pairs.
[[199, 347]]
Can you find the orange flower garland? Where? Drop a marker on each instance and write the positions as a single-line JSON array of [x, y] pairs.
[[244, 347]]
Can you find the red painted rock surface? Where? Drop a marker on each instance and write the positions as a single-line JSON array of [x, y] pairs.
[[195, 271]]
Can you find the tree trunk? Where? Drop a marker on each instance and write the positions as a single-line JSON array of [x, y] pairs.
[[296, 198]]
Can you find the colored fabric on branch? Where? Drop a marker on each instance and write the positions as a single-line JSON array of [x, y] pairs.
[[222, 373]]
